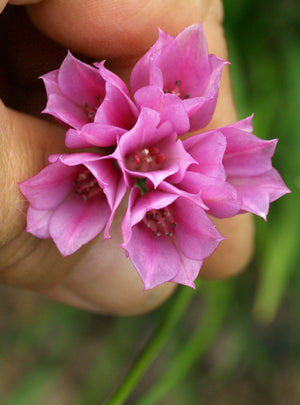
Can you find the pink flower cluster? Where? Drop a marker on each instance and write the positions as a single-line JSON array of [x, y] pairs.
[[134, 134]]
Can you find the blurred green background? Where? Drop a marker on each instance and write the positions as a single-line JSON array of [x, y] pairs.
[[237, 341]]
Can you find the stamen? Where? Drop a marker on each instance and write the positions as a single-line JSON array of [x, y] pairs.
[[160, 222], [86, 185], [177, 91], [91, 111], [145, 160]]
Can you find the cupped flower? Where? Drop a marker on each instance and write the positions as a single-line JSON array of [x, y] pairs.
[[74, 91], [115, 115], [247, 166], [152, 151], [208, 176], [181, 66], [73, 199], [167, 237]]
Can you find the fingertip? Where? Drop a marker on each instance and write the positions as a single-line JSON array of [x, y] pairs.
[[235, 252]]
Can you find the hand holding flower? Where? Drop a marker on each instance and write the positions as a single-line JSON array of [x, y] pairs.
[[98, 276]]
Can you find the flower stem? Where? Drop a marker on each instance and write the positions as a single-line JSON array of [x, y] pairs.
[[218, 298], [183, 298]]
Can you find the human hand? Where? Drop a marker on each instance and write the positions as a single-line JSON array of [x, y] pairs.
[[98, 277]]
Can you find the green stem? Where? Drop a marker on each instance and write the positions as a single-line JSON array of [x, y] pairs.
[[217, 304], [151, 350]]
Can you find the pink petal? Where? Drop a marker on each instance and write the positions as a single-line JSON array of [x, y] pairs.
[[196, 235], [188, 272], [76, 139], [38, 222], [140, 73], [76, 222], [169, 106], [49, 187], [208, 150], [257, 192], [117, 109], [112, 78], [155, 258], [247, 155], [66, 111], [80, 82], [102, 135]]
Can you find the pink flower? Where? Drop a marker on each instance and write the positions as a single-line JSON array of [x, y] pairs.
[[245, 169], [73, 199], [74, 91], [167, 237], [150, 150], [92, 100], [182, 67]]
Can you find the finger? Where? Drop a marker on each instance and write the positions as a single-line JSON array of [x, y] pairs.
[[113, 28], [235, 252]]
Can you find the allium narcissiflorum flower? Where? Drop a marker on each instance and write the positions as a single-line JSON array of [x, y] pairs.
[[167, 237], [246, 172], [73, 199], [173, 185], [182, 67]]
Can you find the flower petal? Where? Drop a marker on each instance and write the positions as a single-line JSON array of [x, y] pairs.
[[38, 222], [155, 259], [196, 234], [49, 187], [76, 222]]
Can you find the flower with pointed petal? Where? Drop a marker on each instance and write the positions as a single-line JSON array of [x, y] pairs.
[[247, 166], [167, 237], [93, 101], [180, 66], [73, 199], [151, 151], [74, 91]]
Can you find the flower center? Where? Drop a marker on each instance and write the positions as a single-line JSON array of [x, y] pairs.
[[177, 91], [91, 111], [147, 159], [86, 185], [161, 222]]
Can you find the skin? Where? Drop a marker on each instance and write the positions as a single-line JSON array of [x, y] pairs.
[[98, 277]]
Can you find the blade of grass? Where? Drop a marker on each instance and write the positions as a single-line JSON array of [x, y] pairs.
[[218, 298], [184, 296]]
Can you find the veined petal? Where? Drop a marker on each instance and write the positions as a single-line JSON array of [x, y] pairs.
[[208, 150], [189, 270], [38, 222], [65, 111], [94, 134], [49, 187], [169, 106], [140, 72], [247, 155], [80, 82], [257, 192], [117, 109], [76, 222], [155, 259], [196, 234]]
